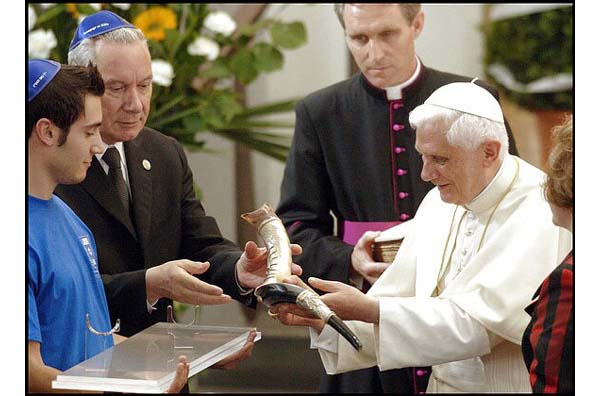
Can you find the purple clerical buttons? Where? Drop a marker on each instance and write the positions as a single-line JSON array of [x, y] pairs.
[[396, 106], [404, 216], [397, 127], [399, 149], [401, 172], [403, 195]]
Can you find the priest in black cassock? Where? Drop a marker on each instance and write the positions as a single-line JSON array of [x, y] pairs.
[[353, 155]]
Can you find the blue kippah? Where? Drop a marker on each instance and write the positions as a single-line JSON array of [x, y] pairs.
[[96, 24], [41, 72]]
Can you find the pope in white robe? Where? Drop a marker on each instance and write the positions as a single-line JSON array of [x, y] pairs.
[[479, 246]]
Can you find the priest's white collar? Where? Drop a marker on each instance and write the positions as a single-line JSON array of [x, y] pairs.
[[496, 189], [395, 92]]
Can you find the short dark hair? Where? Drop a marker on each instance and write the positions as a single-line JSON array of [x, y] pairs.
[[63, 100], [409, 10]]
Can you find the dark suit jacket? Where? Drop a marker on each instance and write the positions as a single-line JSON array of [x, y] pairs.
[[168, 224]]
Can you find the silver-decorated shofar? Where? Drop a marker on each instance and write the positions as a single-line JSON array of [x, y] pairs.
[[273, 291]]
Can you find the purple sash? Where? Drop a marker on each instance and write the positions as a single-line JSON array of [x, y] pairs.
[[353, 230]]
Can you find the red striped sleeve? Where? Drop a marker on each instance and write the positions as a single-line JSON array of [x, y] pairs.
[[559, 329], [537, 330]]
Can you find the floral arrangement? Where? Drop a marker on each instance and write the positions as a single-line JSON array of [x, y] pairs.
[[199, 57]]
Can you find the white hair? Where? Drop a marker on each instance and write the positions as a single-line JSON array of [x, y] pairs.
[[463, 130], [85, 52]]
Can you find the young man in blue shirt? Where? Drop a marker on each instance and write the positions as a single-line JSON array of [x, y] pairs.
[[64, 285]]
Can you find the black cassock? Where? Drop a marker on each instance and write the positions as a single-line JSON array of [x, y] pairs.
[[353, 155]]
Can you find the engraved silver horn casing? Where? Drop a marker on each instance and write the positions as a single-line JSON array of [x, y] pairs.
[[279, 266]]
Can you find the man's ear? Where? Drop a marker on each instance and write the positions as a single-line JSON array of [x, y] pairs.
[[417, 24], [491, 151], [46, 131]]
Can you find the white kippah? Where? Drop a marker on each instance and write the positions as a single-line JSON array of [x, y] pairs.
[[467, 97]]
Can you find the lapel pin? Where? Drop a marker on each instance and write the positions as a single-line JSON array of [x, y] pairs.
[[146, 164]]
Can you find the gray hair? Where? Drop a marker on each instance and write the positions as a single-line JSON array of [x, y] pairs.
[[463, 130], [409, 10], [85, 52]]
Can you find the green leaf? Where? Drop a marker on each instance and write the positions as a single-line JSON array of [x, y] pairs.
[[227, 105], [248, 138], [251, 30], [279, 142], [243, 66], [245, 123], [219, 109], [50, 14], [270, 108], [86, 9], [167, 106], [218, 69], [193, 123], [268, 58], [172, 41], [175, 117], [288, 35]]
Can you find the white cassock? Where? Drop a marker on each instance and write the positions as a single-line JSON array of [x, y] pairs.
[[464, 317]]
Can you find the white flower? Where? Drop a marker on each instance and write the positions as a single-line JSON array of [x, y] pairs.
[[41, 43], [45, 6], [95, 6], [220, 22], [122, 6], [162, 72], [204, 46], [32, 18]]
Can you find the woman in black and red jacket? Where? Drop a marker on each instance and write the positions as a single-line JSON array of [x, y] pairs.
[[548, 342]]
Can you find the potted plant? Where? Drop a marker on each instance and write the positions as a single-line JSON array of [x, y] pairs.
[[529, 57]]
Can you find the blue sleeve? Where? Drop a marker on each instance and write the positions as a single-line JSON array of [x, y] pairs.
[[32, 311]]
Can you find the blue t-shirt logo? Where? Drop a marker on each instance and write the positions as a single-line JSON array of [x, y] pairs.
[[85, 241]]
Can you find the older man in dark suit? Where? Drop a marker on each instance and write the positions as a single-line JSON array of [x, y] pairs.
[[138, 199]]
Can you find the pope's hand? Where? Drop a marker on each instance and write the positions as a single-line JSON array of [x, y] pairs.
[[362, 258], [252, 266], [176, 280], [346, 301], [292, 314]]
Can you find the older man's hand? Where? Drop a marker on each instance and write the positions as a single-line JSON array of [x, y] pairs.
[[292, 314], [234, 359], [362, 258], [252, 266], [175, 280]]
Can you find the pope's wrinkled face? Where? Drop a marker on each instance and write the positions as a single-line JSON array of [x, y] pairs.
[[127, 73], [382, 41], [459, 174], [73, 158]]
